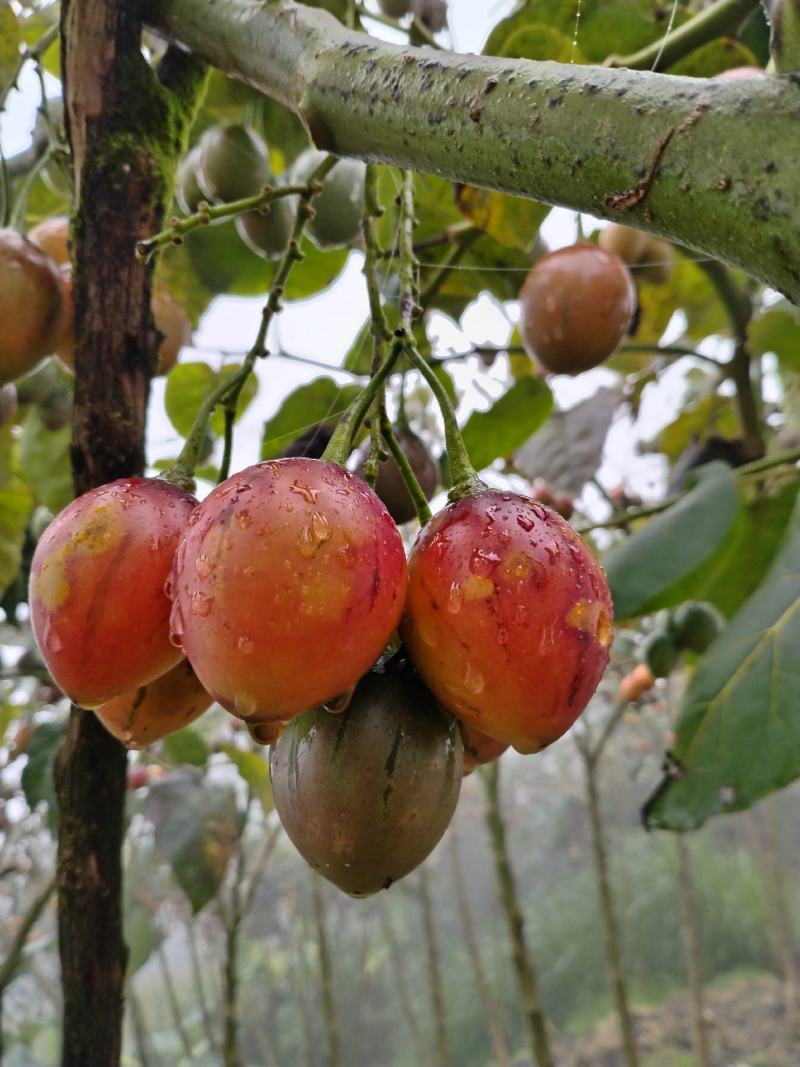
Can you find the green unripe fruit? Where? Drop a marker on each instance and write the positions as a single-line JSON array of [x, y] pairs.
[[266, 235], [339, 206], [187, 189], [233, 163], [395, 9], [660, 653], [696, 625]]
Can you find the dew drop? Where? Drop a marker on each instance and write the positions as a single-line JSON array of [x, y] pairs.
[[305, 491], [201, 604], [265, 733], [245, 644], [455, 598], [52, 639], [483, 561], [243, 519], [203, 566], [474, 681], [526, 523], [339, 704], [504, 537], [245, 705]]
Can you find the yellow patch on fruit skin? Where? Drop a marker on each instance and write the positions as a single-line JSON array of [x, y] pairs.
[[103, 530], [50, 585], [477, 587], [517, 566], [605, 629], [582, 615]]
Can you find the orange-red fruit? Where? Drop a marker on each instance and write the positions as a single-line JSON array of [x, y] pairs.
[[287, 587], [577, 304], [52, 235], [509, 617], [153, 711], [98, 607], [31, 305], [478, 748]]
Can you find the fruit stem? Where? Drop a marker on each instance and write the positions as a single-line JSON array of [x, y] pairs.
[[465, 478], [227, 450], [207, 213], [341, 443], [181, 473], [379, 327], [407, 471], [461, 244]]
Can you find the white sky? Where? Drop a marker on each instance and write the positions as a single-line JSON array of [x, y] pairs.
[[323, 327]]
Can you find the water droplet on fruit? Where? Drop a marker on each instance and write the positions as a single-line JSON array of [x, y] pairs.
[[265, 733], [604, 628], [52, 638], [526, 523], [483, 561], [203, 566], [339, 704], [245, 705], [245, 644], [474, 681], [312, 537], [194, 518], [243, 519], [305, 491], [540, 512], [455, 598], [504, 537], [201, 604], [320, 527]]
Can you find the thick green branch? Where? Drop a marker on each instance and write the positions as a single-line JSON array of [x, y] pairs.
[[705, 163]]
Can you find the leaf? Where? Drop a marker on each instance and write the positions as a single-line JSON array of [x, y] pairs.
[[644, 568], [189, 384], [187, 746], [10, 40], [777, 331], [16, 502], [254, 769], [509, 422], [322, 400], [511, 220], [37, 776], [44, 462], [568, 449], [714, 57], [738, 737], [712, 414], [687, 289], [197, 827], [538, 41]]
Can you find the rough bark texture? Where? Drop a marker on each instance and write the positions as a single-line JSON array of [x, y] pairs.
[[523, 961], [693, 950], [616, 974], [708, 164], [126, 130]]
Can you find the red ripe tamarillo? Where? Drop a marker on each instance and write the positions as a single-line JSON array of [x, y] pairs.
[[509, 617], [287, 587], [98, 607]]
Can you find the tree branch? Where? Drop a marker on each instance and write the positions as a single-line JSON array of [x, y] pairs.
[[708, 164]]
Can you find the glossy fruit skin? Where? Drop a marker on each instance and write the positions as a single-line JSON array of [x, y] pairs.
[[509, 617], [390, 486], [266, 235], [153, 711], [169, 318], [395, 9], [288, 585], [233, 163], [650, 258], [52, 236], [432, 13], [29, 279], [366, 795], [478, 748], [98, 607], [337, 218], [696, 624], [577, 304], [660, 653]]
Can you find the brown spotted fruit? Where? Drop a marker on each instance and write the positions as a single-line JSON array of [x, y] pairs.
[[478, 748], [52, 236], [576, 306], [366, 795], [153, 711], [31, 305], [508, 618], [287, 587], [98, 607]]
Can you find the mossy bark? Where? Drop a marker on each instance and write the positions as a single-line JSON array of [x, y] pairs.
[[708, 164], [126, 128]]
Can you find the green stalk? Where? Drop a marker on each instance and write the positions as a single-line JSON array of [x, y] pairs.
[[465, 478], [341, 444], [379, 327], [409, 477]]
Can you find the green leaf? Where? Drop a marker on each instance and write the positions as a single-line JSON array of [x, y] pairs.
[[141, 935], [509, 422], [712, 414], [37, 777], [538, 41], [738, 737], [187, 746], [254, 769], [10, 40], [714, 57], [16, 502], [778, 331], [44, 462], [197, 828], [189, 384], [511, 220], [322, 400], [689, 289], [644, 569]]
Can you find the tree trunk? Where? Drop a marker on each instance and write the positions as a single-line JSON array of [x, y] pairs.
[[434, 971], [693, 949], [523, 960], [326, 975], [490, 1013], [400, 984], [609, 918], [119, 199]]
